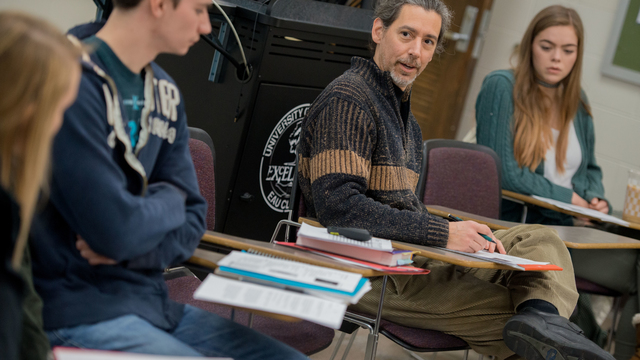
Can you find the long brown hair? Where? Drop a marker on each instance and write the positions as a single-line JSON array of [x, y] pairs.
[[532, 132], [36, 67]]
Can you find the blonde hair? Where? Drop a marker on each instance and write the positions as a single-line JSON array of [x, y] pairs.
[[532, 132], [36, 68]]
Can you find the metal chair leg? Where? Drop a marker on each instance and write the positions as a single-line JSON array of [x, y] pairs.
[[287, 223], [372, 340], [416, 356], [524, 214], [351, 339], [337, 346], [250, 320], [616, 308]]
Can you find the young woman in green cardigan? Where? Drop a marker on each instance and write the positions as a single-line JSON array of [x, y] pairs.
[[538, 120]]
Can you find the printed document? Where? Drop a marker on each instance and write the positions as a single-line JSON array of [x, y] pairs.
[[515, 262], [496, 256], [264, 298], [292, 270], [582, 210]]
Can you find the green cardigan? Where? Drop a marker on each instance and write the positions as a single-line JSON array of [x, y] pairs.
[[494, 118]]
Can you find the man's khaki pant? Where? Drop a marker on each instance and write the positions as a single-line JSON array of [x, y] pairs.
[[474, 304]]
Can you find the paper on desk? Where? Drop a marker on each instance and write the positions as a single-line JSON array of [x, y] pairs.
[[292, 270], [484, 254], [269, 299], [582, 210], [401, 269], [509, 260], [63, 353], [322, 234]]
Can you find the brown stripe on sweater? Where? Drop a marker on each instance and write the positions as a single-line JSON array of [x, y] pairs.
[[389, 178], [303, 166], [334, 162]]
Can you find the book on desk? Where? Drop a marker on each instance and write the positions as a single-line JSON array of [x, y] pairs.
[[290, 275], [376, 250], [286, 287], [334, 244]]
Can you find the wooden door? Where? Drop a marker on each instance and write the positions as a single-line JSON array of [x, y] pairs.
[[439, 93]]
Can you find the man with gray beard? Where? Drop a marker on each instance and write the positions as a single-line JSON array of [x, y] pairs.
[[359, 161]]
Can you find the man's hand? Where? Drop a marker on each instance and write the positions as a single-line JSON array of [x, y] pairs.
[[92, 257], [599, 205], [465, 236]]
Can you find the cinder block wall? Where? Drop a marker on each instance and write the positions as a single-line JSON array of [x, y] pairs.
[[62, 13]]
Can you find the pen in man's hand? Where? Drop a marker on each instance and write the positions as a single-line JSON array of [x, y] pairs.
[[455, 218]]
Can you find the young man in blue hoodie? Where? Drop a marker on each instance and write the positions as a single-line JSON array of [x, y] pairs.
[[124, 201]]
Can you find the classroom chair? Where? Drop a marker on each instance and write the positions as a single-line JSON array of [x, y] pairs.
[[461, 176], [303, 336], [467, 177], [203, 155], [588, 287], [411, 339], [199, 134]]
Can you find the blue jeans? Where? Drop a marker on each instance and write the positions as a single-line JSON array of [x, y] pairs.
[[199, 333]]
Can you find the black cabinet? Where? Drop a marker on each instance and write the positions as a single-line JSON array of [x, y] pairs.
[[295, 49]]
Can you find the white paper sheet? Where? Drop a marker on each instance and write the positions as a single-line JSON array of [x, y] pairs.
[[582, 210], [61, 353], [509, 260], [251, 296], [484, 254], [291, 270], [322, 234]]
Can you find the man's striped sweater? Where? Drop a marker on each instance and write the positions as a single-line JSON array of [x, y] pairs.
[[359, 162]]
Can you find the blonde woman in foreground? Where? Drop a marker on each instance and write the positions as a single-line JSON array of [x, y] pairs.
[[39, 77]]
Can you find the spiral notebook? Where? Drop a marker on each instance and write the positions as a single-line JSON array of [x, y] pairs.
[[292, 275], [376, 250], [254, 281]]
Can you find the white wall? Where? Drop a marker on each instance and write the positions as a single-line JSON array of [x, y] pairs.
[[62, 13], [615, 104]]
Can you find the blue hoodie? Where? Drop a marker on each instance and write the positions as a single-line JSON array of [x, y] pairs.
[[139, 206]]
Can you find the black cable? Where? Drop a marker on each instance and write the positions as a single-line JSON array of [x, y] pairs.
[[216, 45]]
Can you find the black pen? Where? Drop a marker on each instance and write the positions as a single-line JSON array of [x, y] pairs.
[[351, 233], [455, 218]]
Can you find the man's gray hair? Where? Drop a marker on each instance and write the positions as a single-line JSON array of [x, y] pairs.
[[388, 11]]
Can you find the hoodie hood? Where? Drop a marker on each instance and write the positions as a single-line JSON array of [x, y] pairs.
[[84, 31]]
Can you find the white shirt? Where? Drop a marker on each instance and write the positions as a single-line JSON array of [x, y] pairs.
[[571, 163]]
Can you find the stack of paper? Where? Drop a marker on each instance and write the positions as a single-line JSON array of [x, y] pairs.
[[309, 292], [400, 269], [515, 262], [582, 210], [376, 250], [291, 275]]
